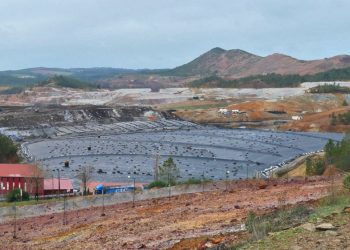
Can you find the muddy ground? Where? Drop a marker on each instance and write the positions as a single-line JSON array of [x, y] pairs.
[[161, 223]]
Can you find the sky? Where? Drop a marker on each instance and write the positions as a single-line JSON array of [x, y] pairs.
[[165, 33]]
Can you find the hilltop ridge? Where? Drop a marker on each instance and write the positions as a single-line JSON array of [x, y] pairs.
[[238, 63]]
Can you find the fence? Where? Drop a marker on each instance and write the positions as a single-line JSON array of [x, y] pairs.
[[83, 202]]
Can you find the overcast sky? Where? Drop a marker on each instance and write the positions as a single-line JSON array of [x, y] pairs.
[[165, 33]]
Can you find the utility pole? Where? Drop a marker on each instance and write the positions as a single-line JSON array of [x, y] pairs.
[[332, 184], [103, 202], [133, 196], [53, 184], [15, 220], [169, 185], [227, 173], [247, 172], [156, 168], [203, 182], [59, 183], [64, 211], [133, 191]]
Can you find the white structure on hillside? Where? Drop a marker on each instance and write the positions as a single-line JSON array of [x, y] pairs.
[[297, 117], [236, 111], [223, 111]]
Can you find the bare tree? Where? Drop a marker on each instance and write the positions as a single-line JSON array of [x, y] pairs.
[[84, 176], [36, 180]]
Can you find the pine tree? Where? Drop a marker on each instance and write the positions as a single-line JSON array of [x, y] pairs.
[[169, 172]]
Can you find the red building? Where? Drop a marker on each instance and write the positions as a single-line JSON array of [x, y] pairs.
[[29, 178], [54, 186]]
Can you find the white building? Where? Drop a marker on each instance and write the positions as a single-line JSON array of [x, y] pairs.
[[297, 117]]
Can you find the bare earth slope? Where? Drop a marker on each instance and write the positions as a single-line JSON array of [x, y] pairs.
[[161, 223]]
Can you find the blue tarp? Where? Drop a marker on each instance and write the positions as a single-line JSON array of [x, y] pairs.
[[99, 187], [112, 190]]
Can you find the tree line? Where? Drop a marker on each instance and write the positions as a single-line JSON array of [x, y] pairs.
[[330, 88], [272, 80], [67, 82]]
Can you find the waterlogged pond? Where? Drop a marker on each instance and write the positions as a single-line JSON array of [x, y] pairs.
[[208, 151]]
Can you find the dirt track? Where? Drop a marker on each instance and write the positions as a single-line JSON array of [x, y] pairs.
[[158, 224]]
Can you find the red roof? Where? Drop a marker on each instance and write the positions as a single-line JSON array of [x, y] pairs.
[[52, 184], [19, 170]]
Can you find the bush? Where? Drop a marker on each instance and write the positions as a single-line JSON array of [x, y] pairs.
[[8, 150], [169, 172], [15, 195], [346, 181], [25, 196], [315, 166], [339, 153], [158, 184], [250, 221]]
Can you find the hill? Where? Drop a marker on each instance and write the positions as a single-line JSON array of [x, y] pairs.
[[32, 76], [217, 61], [238, 63], [105, 77], [226, 64]]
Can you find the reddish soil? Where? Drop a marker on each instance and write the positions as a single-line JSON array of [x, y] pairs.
[[184, 222], [319, 122]]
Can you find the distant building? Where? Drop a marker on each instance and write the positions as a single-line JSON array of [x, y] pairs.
[[224, 111], [54, 186], [151, 115], [28, 178], [297, 117], [236, 111]]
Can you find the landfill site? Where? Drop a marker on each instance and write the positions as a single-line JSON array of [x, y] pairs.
[[123, 141], [211, 134], [196, 150]]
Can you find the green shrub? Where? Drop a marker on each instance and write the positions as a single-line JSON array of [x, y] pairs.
[[315, 166], [346, 181], [339, 153], [8, 150], [250, 221], [15, 195], [169, 172], [25, 196], [158, 184]]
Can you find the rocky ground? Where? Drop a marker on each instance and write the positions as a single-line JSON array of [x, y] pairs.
[[192, 221]]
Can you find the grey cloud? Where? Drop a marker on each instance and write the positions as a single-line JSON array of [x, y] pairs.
[[165, 33]]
